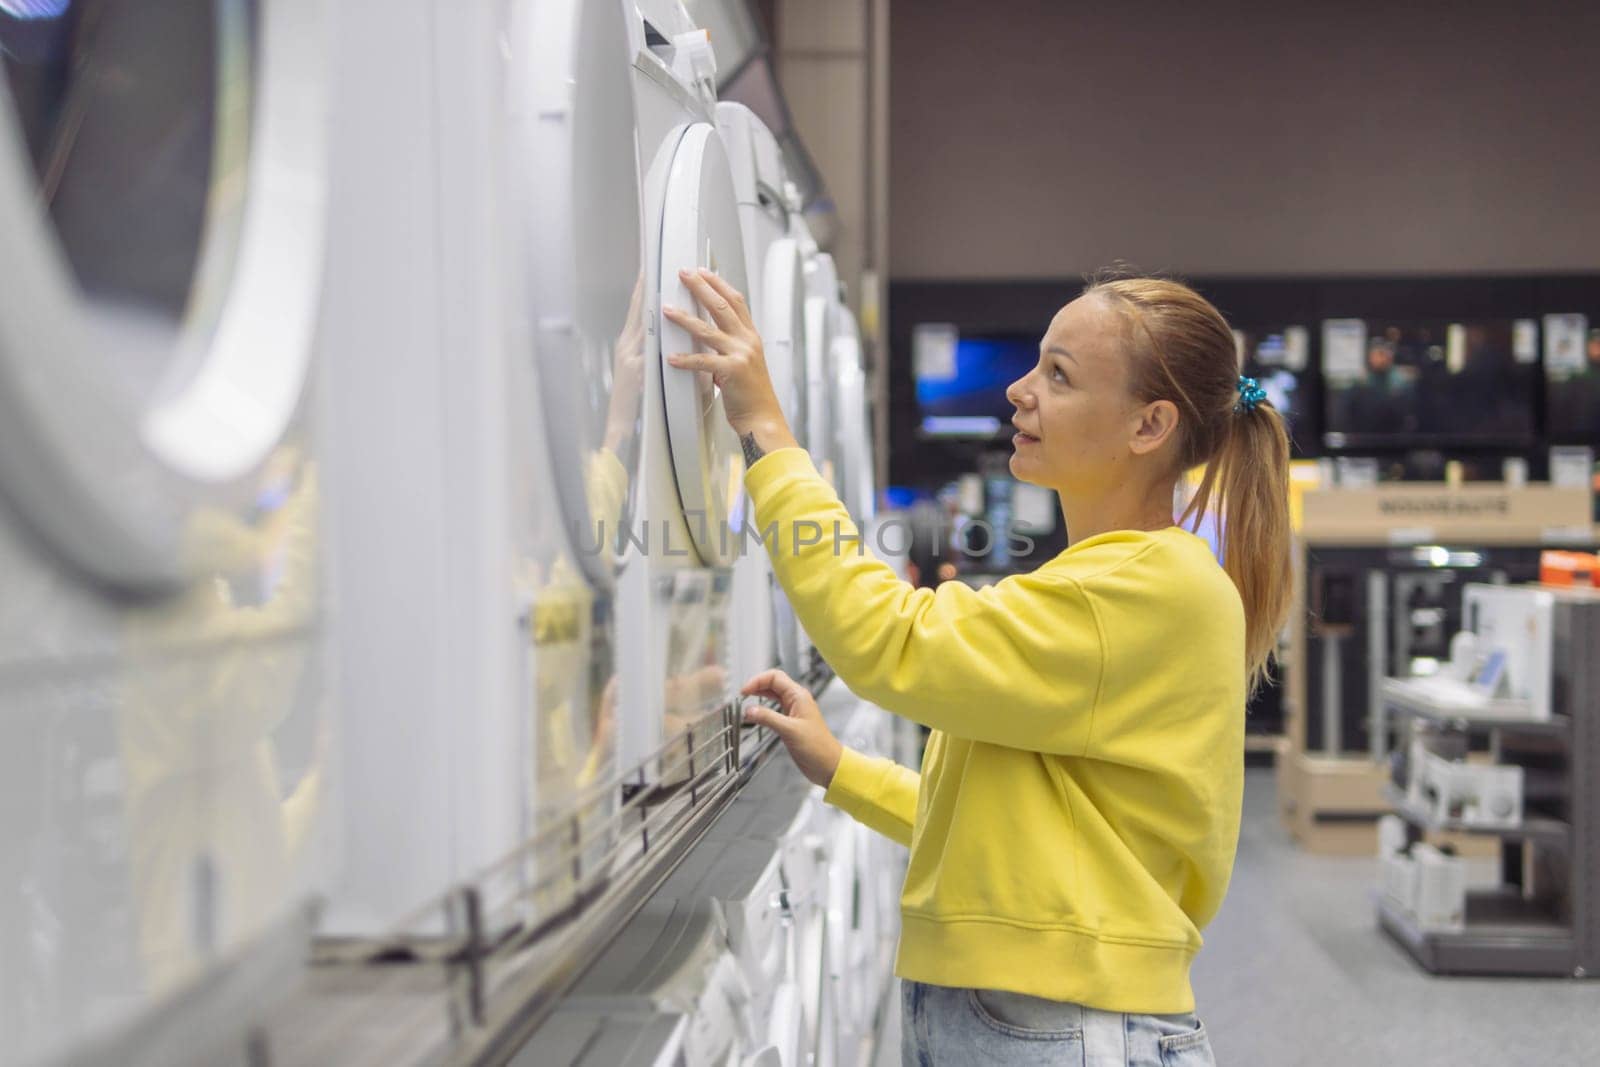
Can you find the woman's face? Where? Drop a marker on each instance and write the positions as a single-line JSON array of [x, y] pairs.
[[1075, 417]]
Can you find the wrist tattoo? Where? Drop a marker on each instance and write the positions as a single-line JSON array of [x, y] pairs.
[[752, 451]]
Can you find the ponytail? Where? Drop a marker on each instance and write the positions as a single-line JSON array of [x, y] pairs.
[[1183, 350], [1249, 479]]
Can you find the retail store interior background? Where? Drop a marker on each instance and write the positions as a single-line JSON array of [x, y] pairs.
[[327, 329]]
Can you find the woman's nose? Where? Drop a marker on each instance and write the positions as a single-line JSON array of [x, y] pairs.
[[1017, 395]]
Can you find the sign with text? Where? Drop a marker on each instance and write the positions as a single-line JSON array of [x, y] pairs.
[[1495, 512]]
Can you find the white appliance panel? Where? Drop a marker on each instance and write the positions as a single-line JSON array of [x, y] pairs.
[[163, 723]]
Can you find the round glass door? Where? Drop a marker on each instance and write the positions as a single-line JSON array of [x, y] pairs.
[[700, 228], [136, 121], [579, 172], [162, 206]]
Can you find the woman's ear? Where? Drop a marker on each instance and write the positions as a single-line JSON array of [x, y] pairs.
[[1157, 423]]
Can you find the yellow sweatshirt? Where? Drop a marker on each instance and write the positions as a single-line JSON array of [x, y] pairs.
[[1075, 821]]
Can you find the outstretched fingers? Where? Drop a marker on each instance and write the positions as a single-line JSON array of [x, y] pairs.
[[771, 718], [706, 361], [698, 328], [735, 300]]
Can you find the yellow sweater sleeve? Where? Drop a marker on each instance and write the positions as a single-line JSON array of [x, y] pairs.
[[1019, 663], [876, 792]]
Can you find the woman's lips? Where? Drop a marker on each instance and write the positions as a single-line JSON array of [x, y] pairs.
[[1019, 439]]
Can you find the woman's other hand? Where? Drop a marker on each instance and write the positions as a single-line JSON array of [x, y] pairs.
[[799, 725], [730, 351]]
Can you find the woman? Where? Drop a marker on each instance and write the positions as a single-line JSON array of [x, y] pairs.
[[1075, 821]]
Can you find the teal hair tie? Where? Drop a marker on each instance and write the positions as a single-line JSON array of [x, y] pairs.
[[1250, 394]]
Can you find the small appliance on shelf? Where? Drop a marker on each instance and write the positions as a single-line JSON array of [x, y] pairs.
[[1500, 665]]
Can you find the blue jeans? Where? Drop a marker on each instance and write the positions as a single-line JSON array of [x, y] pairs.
[[944, 1027]]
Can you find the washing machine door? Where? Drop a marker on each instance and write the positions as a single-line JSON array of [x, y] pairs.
[[161, 196], [783, 329], [762, 216], [822, 301], [576, 175], [700, 228], [783, 336]]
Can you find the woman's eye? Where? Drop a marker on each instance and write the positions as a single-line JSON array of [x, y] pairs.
[[1057, 375]]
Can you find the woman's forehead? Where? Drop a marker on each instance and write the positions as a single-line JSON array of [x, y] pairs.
[[1088, 329]]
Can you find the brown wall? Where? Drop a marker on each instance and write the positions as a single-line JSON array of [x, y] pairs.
[[1042, 138]]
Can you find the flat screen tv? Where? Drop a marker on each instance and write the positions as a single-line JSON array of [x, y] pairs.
[[962, 379], [1571, 380], [1409, 384]]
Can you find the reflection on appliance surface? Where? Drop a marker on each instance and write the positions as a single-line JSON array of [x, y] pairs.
[[216, 829], [163, 768], [697, 681], [574, 745], [572, 638]]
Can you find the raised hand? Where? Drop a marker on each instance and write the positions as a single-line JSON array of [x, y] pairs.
[[731, 353]]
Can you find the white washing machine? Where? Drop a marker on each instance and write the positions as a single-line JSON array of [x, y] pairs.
[[814, 426], [675, 592], [852, 421], [841, 1026], [575, 182], [771, 878], [862, 907], [822, 306], [487, 396], [772, 250], [710, 948], [163, 725], [804, 866], [766, 630], [741, 876]]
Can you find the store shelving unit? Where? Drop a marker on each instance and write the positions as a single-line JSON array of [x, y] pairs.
[[1539, 830], [1332, 767], [1550, 925]]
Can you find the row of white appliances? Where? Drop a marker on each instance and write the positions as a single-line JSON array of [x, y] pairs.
[[771, 944], [329, 336]]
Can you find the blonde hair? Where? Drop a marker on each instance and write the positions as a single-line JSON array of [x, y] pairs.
[[1182, 350]]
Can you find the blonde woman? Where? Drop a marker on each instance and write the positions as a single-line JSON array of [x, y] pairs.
[[1074, 824]]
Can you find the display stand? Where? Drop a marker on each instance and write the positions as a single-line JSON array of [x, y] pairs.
[[1522, 927], [1332, 771]]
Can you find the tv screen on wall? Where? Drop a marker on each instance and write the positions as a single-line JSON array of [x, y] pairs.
[[1408, 384], [962, 379], [1571, 380]]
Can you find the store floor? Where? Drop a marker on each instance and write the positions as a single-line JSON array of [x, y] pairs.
[[1296, 974]]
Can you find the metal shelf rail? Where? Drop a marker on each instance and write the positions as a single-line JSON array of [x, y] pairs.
[[473, 995]]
